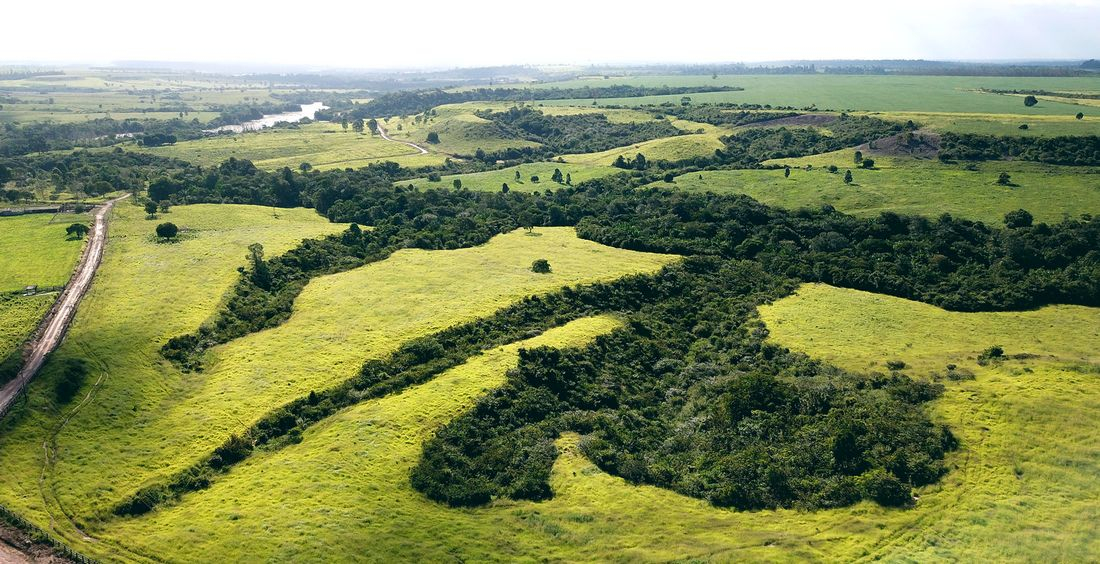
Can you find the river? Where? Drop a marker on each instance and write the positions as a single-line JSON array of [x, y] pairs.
[[308, 111]]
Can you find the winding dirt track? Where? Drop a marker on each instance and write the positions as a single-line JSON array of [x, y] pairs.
[[382, 132], [61, 314]]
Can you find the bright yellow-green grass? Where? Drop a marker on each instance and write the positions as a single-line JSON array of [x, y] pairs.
[[34, 251], [19, 315], [460, 132], [915, 186], [148, 420], [323, 145], [493, 180], [829, 322], [1026, 470], [344, 491], [666, 148], [614, 115], [1001, 124], [144, 293]]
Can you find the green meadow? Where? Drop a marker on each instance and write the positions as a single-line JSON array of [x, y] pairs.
[[493, 180], [909, 185], [34, 250], [847, 92], [667, 148], [19, 315], [322, 145], [1027, 464], [1000, 124], [150, 420]]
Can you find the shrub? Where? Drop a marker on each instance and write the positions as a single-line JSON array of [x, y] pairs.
[[167, 230], [434, 177], [540, 266], [994, 353], [895, 364]]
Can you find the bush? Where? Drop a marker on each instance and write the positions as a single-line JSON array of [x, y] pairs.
[[540, 266], [895, 364], [994, 353], [434, 177], [167, 230]]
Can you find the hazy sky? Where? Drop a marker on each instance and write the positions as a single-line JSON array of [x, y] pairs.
[[394, 33]]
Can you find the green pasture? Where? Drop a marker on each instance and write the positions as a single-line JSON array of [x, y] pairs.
[[149, 420], [493, 180], [913, 186], [323, 145], [34, 250], [852, 92], [666, 148], [1000, 124]]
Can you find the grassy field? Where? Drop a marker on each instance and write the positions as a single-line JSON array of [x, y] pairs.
[[666, 148], [843, 92], [460, 131], [491, 181], [19, 315], [148, 419], [37, 252], [323, 145], [1022, 470], [144, 293], [999, 124], [916, 186]]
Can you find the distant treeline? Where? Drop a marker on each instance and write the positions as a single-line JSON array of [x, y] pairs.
[[1075, 95], [1080, 151], [416, 101], [21, 74]]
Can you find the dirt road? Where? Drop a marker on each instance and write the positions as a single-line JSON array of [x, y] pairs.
[[61, 315], [382, 132]]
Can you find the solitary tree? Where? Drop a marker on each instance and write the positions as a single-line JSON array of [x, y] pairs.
[[786, 172], [305, 167], [1030, 101], [433, 138], [1080, 115], [868, 163], [557, 176], [568, 179], [357, 125], [167, 230], [535, 178], [457, 183], [540, 266], [1018, 218], [344, 123], [77, 230], [518, 177], [372, 124], [640, 162], [859, 157], [504, 188], [847, 177], [1004, 179], [151, 209]]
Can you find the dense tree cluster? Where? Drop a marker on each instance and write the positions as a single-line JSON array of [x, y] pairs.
[[580, 133], [729, 115], [1080, 151], [690, 397]]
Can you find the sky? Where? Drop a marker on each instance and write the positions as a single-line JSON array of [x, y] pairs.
[[466, 33]]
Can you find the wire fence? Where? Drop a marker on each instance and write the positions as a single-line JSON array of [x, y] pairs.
[[42, 537]]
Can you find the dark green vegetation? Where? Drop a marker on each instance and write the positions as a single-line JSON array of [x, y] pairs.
[[691, 398], [581, 133], [1079, 151], [417, 101]]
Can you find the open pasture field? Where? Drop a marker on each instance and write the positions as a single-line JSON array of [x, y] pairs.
[[19, 315], [1028, 457], [1000, 124], [667, 148], [36, 251], [914, 186], [149, 419], [460, 132], [493, 180], [323, 145], [847, 92]]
